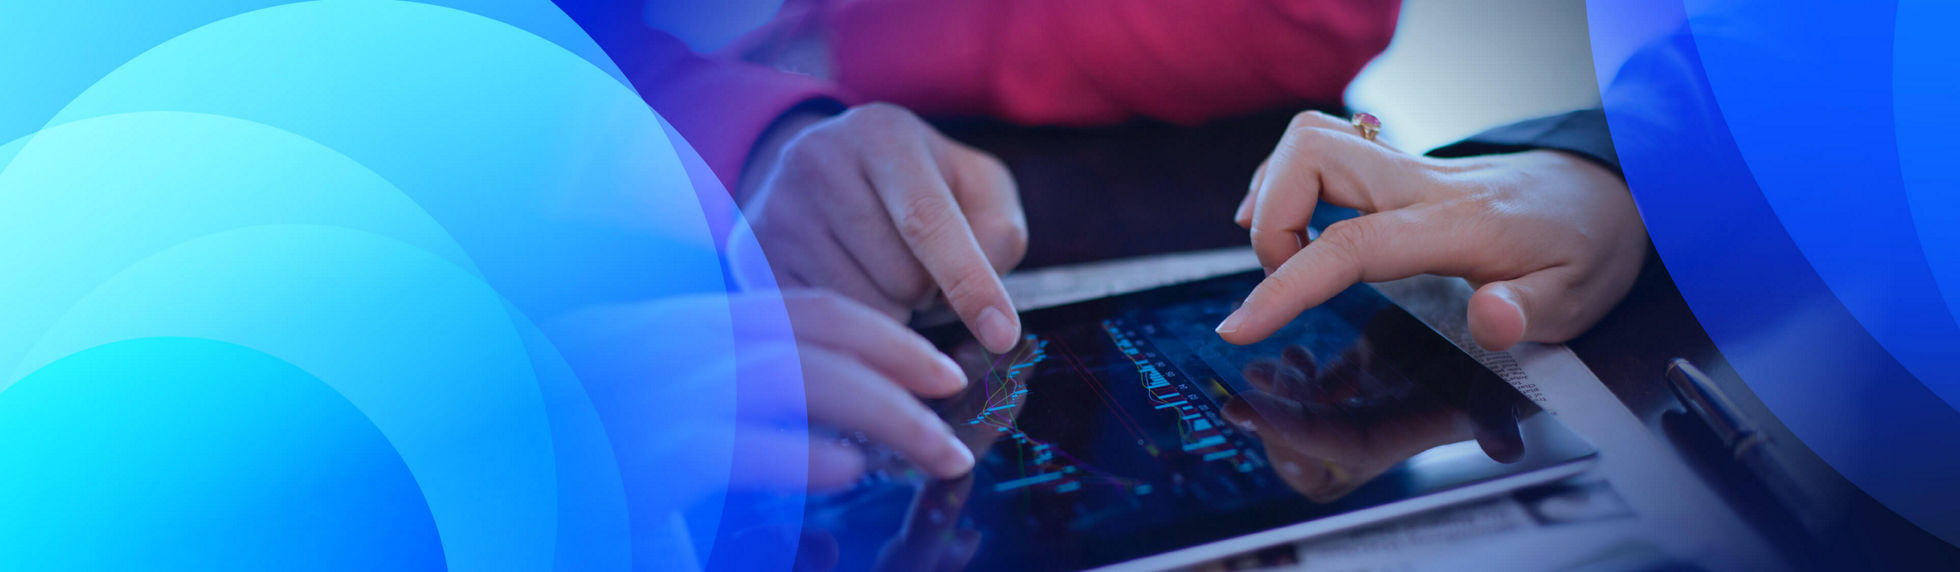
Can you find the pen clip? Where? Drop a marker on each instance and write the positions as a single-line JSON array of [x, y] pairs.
[[1699, 394]]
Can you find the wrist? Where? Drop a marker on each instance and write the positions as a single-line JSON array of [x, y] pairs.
[[1562, 161], [768, 147], [1536, 162]]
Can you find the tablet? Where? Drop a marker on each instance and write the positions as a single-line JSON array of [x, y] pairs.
[[1123, 433]]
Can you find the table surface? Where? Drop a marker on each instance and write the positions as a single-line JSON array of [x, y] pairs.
[[1150, 189]]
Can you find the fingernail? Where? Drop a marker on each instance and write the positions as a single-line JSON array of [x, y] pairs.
[[1235, 414], [953, 370], [963, 459], [1510, 295], [1232, 322], [995, 331]]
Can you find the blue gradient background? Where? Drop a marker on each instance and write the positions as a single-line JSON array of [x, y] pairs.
[[289, 285], [1794, 165], [343, 284]]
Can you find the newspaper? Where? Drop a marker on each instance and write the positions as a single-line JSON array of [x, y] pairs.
[[1642, 506]]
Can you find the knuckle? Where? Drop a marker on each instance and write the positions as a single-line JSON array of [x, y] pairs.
[[1342, 231], [1284, 282], [810, 155], [1017, 239], [1303, 120], [802, 159], [819, 137], [991, 164], [1010, 232], [1317, 139], [1306, 142], [969, 285], [844, 135], [879, 114], [1311, 120], [880, 108], [924, 216], [1347, 238]]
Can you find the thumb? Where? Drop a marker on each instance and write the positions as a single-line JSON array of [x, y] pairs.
[[1544, 306]]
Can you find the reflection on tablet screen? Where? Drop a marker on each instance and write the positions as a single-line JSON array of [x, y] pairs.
[[1124, 428]]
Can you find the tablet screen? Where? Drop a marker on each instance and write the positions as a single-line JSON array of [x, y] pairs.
[[1124, 427]]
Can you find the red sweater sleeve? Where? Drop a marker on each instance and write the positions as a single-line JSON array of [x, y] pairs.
[[721, 107], [1081, 62]]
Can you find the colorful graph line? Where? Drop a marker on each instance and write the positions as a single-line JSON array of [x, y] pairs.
[[1200, 432], [1044, 467]]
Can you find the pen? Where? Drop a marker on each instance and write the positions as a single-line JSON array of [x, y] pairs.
[[1748, 445]]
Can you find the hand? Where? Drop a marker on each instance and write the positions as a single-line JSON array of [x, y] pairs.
[[1551, 241], [878, 206], [931, 538], [666, 407]]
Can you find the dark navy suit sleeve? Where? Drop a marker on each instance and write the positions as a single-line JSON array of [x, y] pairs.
[[1582, 133]]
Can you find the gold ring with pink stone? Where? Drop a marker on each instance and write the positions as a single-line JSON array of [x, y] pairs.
[[1368, 125]]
